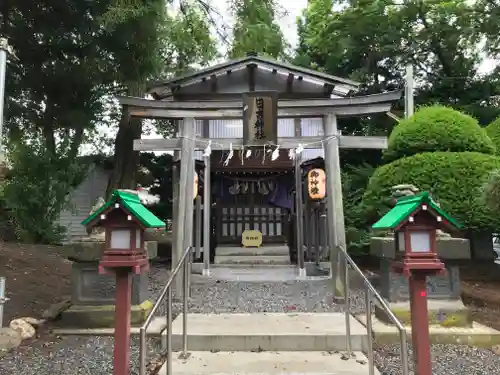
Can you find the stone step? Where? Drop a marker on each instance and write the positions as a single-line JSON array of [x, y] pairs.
[[254, 273], [156, 327], [252, 259], [257, 251], [268, 332], [268, 267], [272, 363]]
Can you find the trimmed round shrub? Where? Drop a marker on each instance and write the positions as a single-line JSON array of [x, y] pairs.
[[437, 128], [455, 180], [493, 131]]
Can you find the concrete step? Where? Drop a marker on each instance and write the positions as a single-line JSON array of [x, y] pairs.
[[257, 251], [268, 267], [272, 363], [252, 259], [254, 273], [268, 332], [156, 327]]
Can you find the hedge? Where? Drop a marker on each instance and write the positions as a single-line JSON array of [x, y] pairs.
[[455, 179], [493, 131], [437, 128]]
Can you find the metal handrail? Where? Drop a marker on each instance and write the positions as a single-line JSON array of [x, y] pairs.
[[185, 262], [370, 291]]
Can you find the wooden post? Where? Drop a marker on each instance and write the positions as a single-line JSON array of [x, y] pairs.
[[323, 228], [299, 215], [317, 233], [420, 324], [197, 227], [335, 210], [175, 211], [308, 238], [207, 211], [123, 304], [189, 123]]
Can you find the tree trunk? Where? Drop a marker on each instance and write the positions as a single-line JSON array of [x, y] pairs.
[[126, 161]]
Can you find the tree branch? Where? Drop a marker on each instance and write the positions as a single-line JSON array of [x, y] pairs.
[[438, 49], [210, 11]]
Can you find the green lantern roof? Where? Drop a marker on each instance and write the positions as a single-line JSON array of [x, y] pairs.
[[405, 206], [133, 204]]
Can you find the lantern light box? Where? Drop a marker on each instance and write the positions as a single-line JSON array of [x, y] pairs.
[[196, 184], [124, 219], [316, 184]]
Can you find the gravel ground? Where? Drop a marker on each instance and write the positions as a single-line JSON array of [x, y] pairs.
[[446, 360], [247, 297], [70, 355]]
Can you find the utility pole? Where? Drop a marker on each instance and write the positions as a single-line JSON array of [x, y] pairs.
[[410, 83], [4, 49]]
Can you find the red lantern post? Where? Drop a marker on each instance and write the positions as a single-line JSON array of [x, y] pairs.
[[125, 220], [415, 220]]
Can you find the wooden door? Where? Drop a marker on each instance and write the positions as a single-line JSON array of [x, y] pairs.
[[250, 211]]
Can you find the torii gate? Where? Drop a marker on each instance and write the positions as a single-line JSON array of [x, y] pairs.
[[185, 99]]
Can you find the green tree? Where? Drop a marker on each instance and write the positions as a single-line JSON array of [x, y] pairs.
[[485, 20], [36, 190], [56, 84], [73, 57], [359, 41], [372, 40], [54, 99], [256, 30], [148, 43]]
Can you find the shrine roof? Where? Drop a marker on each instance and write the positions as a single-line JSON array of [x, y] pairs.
[[133, 205], [406, 206], [263, 73]]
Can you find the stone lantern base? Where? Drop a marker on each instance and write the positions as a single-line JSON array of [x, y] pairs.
[[93, 294], [444, 294]]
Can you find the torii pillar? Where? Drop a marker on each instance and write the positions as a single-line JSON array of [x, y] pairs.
[[334, 201], [183, 234]]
